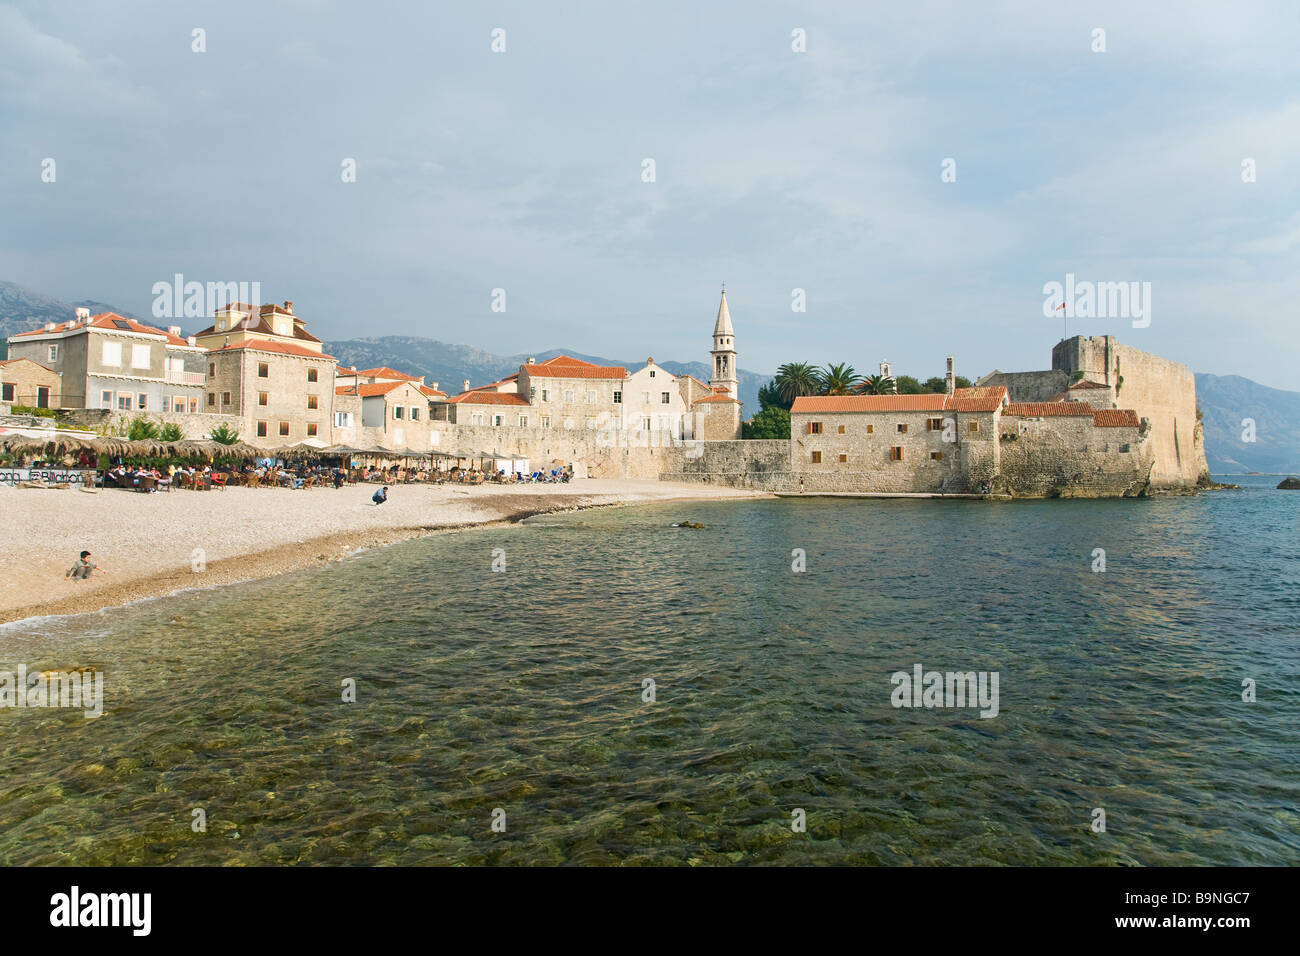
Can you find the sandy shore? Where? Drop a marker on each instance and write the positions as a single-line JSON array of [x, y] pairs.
[[149, 543]]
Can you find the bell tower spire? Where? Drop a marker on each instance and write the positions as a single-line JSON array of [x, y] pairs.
[[724, 351]]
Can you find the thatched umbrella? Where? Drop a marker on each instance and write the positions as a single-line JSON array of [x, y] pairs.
[[56, 445]]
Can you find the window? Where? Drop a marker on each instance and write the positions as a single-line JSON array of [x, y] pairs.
[[105, 399], [263, 370], [139, 356], [934, 424], [476, 418], [532, 393], [194, 405], [814, 428], [902, 428], [167, 404], [212, 399], [645, 398], [398, 412], [497, 420], [645, 424], [415, 413], [178, 404], [546, 394], [871, 429], [54, 353], [652, 373], [816, 458], [225, 398], [843, 459], [896, 453], [663, 398], [591, 397], [261, 429], [7, 393], [936, 456], [568, 424], [112, 354], [546, 421], [342, 419], [568, 394], [313, 401], [312, 374], [618, 398], [284, 428], [123, 401], [523, 421], [212, 369], [974, 426], [263, 398], [311, 429], [841, 430]]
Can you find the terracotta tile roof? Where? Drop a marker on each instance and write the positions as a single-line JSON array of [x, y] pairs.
[[385, 372], [108, 320], [4, 362], [716, 398], [1115, 418], [432, 392], [369, 391], [985, 399], [1086, 384], [488, 398], [282, 348], [567, 360], [1045, 409], [261, 324], [585, 370]]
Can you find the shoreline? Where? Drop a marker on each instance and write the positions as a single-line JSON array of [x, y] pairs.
[[495, 510]]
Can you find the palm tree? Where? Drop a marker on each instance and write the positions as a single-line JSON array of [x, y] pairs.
[[839, 379], [878, 385], [794, 379]]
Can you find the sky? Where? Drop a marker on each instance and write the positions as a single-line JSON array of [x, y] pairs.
[[822, 169]]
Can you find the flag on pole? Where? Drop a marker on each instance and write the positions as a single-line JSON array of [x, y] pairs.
[[1059, 307]]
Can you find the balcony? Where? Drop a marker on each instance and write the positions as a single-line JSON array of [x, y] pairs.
[[183, 378]]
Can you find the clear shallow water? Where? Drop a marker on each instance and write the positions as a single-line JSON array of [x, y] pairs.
[[523, 690]]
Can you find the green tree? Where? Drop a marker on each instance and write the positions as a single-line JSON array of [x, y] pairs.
[[171, 432], [769, 396], [908, 385], [839, 379], [142, 429], [878, 385], [223, 434], [771, 422], [794, 379], [937, 383]]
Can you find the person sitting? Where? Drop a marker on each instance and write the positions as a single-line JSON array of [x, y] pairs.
[[380, 496], [83, 568]]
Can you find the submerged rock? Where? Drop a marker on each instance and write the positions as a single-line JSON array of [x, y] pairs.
[[688, 524]]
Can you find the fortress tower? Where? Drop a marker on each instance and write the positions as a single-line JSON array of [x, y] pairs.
[[725, 375]]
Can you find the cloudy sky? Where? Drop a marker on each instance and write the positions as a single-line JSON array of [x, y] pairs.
[[774, 170]]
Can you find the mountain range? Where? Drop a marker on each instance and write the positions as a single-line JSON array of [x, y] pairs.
[[1225, 400]]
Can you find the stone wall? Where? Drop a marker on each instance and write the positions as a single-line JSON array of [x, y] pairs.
[[1068, 457], [758, 465], [1029, 386], [602, 453], [197, 426]]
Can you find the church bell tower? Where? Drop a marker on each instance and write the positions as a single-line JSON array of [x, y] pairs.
[[725, 375]]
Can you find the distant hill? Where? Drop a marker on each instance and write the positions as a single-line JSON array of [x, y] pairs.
[[22, 310], [450, 365], [1225, 400]]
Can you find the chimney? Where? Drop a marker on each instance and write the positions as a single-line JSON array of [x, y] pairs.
[[83, 315], [466, 388], [174, 330], [532, 360], [49, 326], [949, 380], [192, 340], [288, 306], [434, 386]]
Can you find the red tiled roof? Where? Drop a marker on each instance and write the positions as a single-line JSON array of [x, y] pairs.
[[261, 325], [984, 399], [283, 348], [487, 398], [37, 364], [1115, 418], [1045, 409], [716, 398], [369, 391], [385, 372], [1086, 384], [576, 370], [432, 392], [105, 320]]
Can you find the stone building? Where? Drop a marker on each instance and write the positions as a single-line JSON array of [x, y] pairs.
[[270, 373], [108, 361], [393, 415], [24, 382]]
